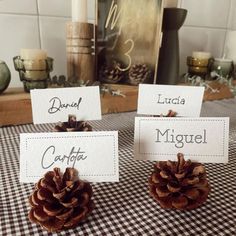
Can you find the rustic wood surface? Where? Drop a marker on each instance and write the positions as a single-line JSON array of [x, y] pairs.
[[80, 51], [15, 104]]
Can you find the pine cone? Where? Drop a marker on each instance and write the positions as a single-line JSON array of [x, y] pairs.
[[111, 74], [60, 201], [72, 125], [139, 73], [179, 185], [169, 114]]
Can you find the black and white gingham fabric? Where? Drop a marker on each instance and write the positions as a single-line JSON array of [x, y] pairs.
[[125, 208]]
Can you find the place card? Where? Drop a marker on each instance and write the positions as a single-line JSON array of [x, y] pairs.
[[54, 105], [199, 139], [156, 99], [93, 154]]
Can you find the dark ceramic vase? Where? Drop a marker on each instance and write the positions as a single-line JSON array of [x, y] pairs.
[[168, 65], [5, 76]]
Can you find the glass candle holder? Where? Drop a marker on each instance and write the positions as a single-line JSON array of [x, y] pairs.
[[224, 67], [198, 66], [33, 73]]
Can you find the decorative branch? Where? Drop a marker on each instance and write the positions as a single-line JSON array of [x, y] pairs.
[[196, 80], [61, 81]]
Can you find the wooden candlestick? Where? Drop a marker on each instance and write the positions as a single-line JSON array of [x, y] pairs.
[[80, 51]]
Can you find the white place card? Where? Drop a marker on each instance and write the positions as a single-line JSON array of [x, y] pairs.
[[156, 99], [199, 139], [93, 154], [54, 105]]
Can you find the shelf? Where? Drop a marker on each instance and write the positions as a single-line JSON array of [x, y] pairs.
[[15, 104]]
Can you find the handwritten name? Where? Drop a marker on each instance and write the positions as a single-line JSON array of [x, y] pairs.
[[169, 136], [114, 18], [50, 157], [57, 105], [176, 100]]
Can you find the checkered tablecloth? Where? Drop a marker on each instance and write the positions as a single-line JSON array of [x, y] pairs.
[[125, 208]]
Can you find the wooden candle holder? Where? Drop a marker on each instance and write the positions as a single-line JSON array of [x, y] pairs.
[[80, 51]]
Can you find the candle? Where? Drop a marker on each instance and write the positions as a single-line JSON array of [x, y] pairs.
[[223, 66], [170, 3], [34, 59], [79, 11], [201, 55], [33, 54], [230, 45]]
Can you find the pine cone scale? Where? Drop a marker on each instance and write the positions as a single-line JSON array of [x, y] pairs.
[[71, 204], [44, 194], [34, 199], [78, 215], [164, 174], [192, 193], [53, 225], [84, 199], [190, 181], [40, 215], [173, 188], [60, 195], [31, 216], [162, 191], [52, 210], [180, 175], [65, 214], [180, 202], [49, 185]]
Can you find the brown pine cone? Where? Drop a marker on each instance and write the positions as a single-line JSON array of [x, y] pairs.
[[72, 125], [111, 73], [139, 73], [169, 114], [60, 201], [179, 185]]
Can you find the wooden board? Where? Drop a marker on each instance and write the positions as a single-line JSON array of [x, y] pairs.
[[15, 107], [15, 104], [222, 91]]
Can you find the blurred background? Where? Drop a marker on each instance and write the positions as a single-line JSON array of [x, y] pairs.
[[41, 24]]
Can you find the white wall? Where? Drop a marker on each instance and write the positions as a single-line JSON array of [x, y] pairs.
[[41, 24], [206, 27]]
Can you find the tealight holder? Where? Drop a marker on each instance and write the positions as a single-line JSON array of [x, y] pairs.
[[198, 66], [224, 67], [33, 73]]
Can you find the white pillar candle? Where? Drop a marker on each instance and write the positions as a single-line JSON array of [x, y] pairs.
[[201, 55], [79, 11], [170, 3], [223, 65], [33, 54], [230, 45]]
